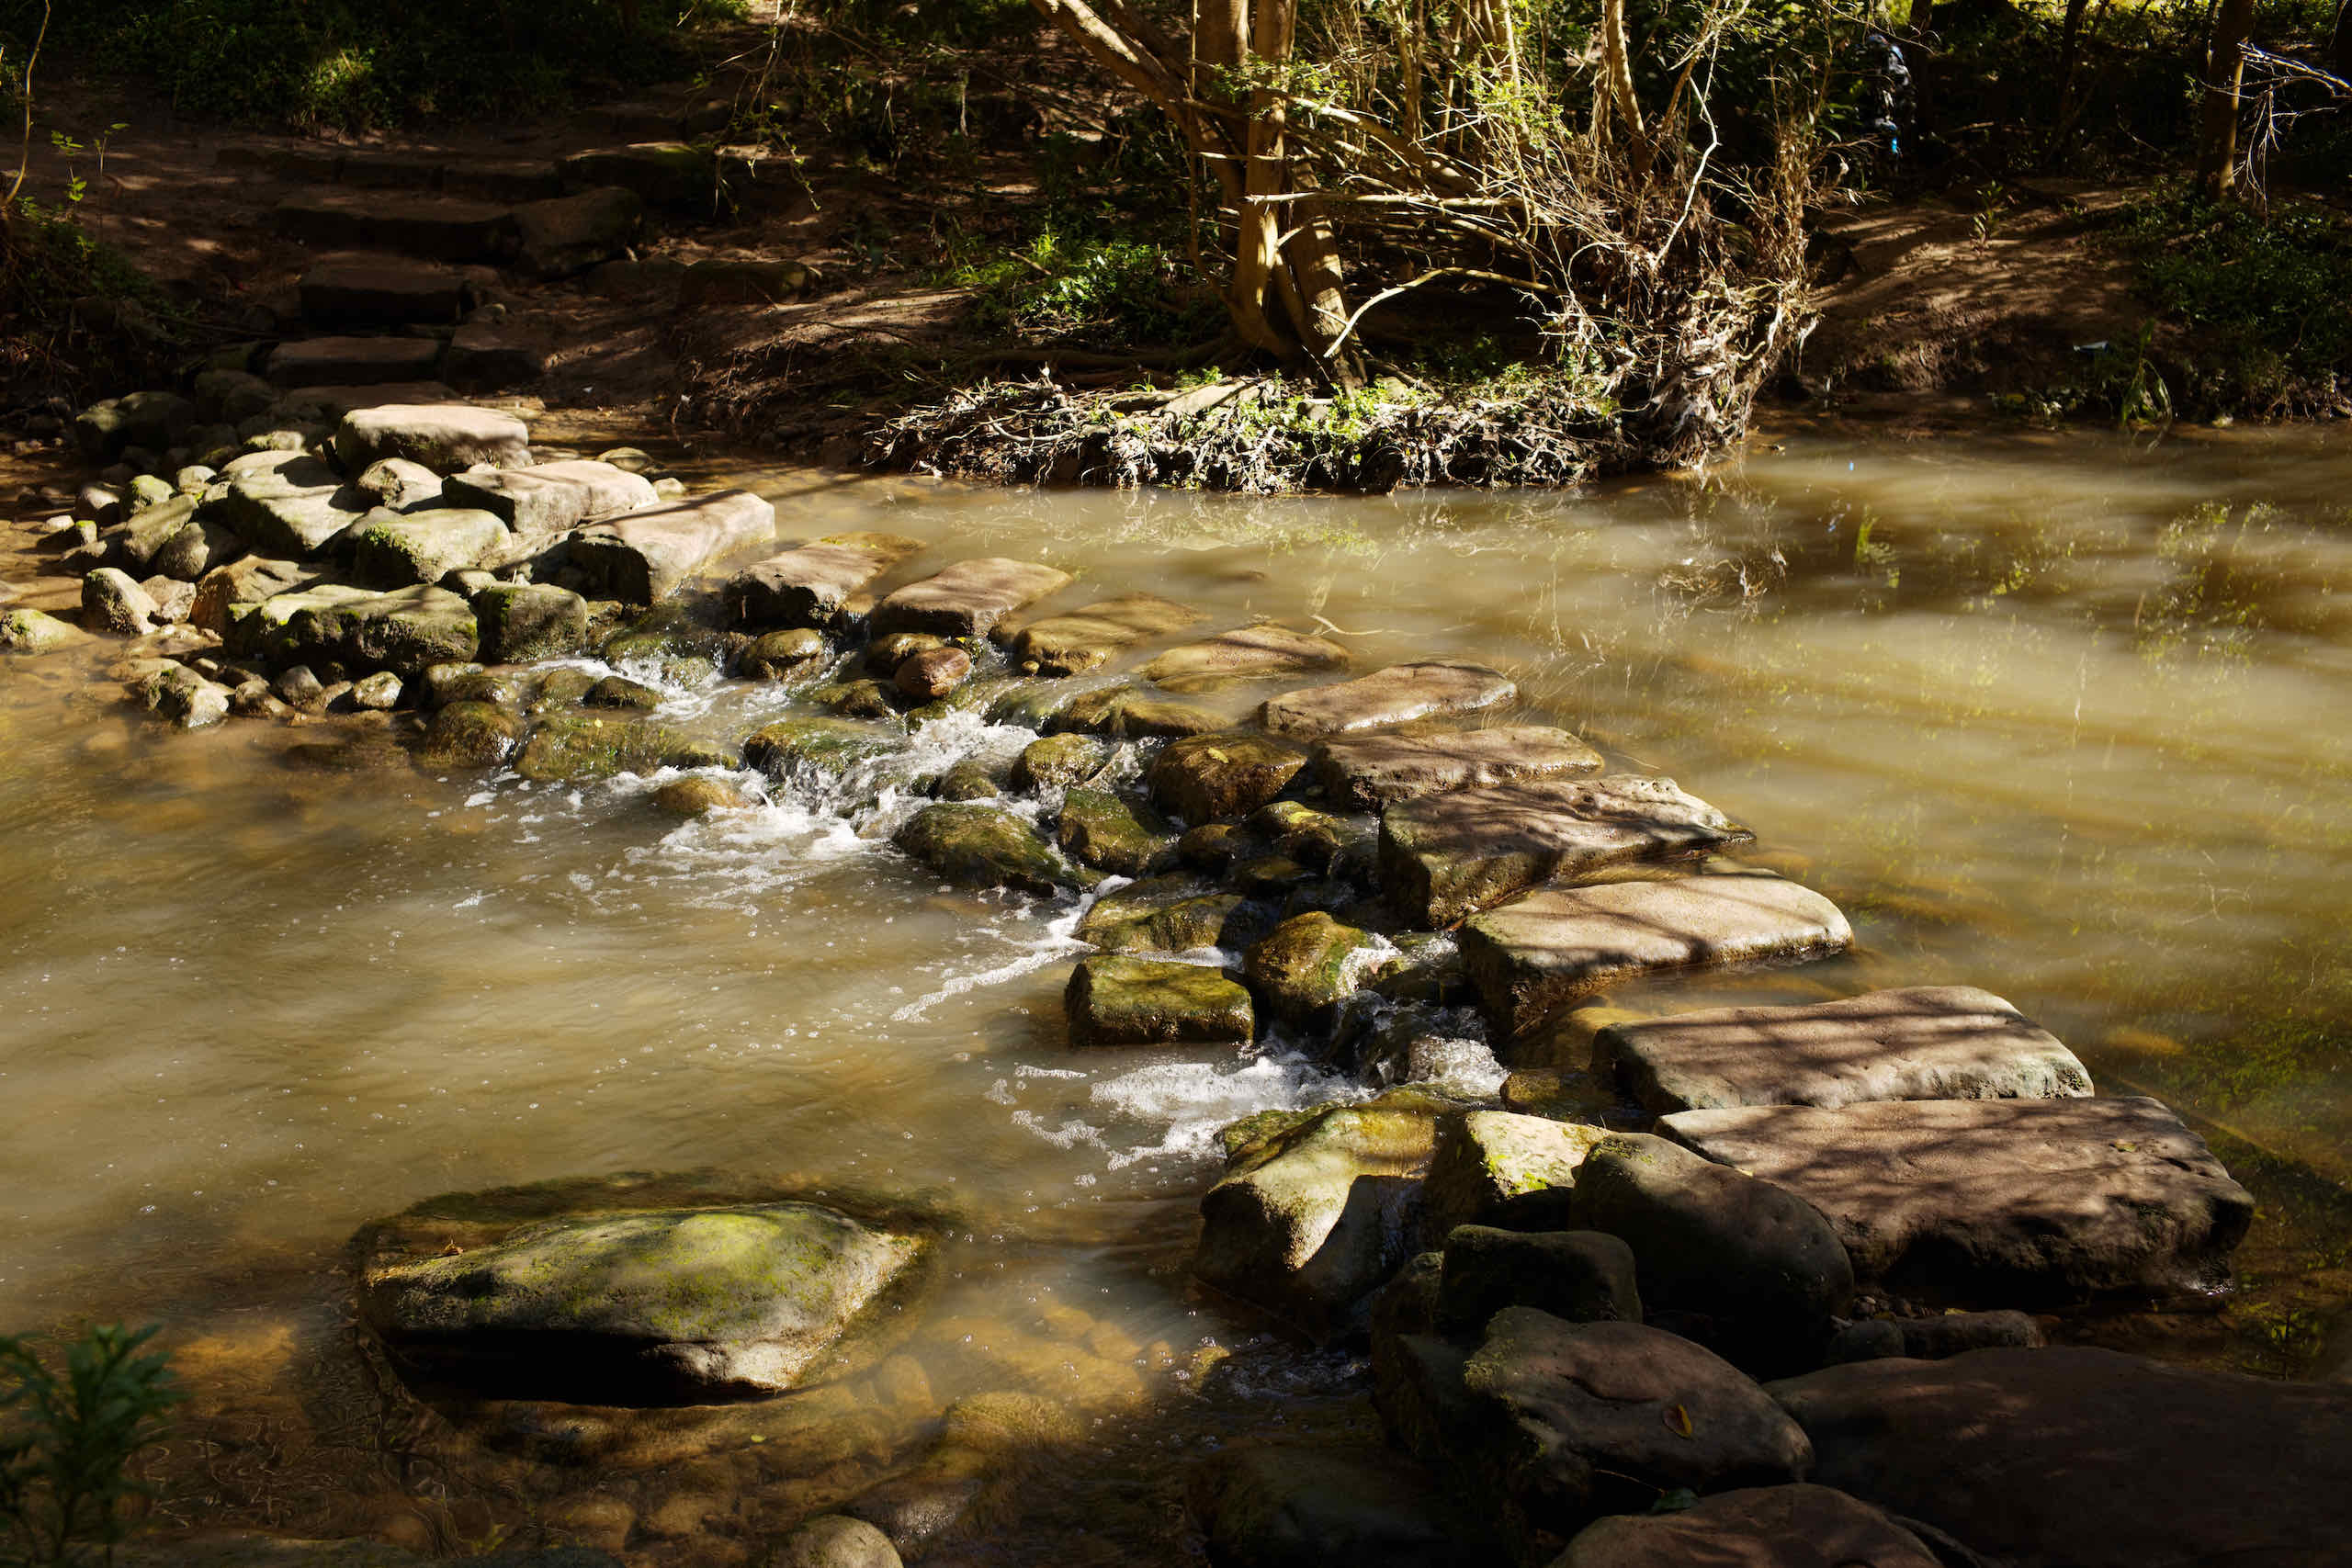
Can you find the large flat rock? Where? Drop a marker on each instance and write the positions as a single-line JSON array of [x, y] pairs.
[[293, 509], [1444, 856], [1799, 1526], [382, 293], [1399, 694], [648, 555], [1247, 653], [1086, 639], [443, 436], [816, 585], [968, 599], [1368, 771], [1526, 958], [354, 361], [1924, 1043], [2067, 1458], [546, 499], [437, 228], [396, 549], [1996, 1202]]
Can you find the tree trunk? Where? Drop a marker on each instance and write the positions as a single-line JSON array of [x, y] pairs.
[[2217, 135], [2070, 34], [1617, 63]]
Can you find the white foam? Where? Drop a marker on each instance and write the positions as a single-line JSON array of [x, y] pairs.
[[1191, 1102]]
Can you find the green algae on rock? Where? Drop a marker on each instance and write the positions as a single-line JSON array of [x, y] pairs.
[[1309, 967], [1115, 1000], [1112, 834], [984, 846]]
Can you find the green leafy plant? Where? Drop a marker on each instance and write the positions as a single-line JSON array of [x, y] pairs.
[[67, 1440]]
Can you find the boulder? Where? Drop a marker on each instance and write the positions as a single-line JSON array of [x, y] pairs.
[[1495, 1168], [1109, 832], [354, 361], [192, 549], [1739, 1264], [1574, 1276], [674, 175], [1317, 839], [931, 675], [826, 747], [568, 235], [646, 555], [547, 498], [1997, 1202], [1308, 968], [471, 734], [1059, 761], [398, 549], [1559, 943], [577, 746], [1172, 916], [113, 603], [377, 293], [815, 585], [1310, 1217], [226, 594], [444, 437], [232, 396], [185, 698], [406, 631], [379, 692], [1115, 1000], [1445, 856], [522, 622], [690, 1305], [1802, 1526], [1247, 653], [620, 692], [1086, 639], [1366, 772], [1925, 1043], [2067, 1458], [156, 420], [1206, 776], [1289, 1505], [786, 655], [967, 599], [295, 508], [1575, 1420], [833, 1540], [401, 485], [437, 228], [984, 846], [1399, 694], [714, 281]]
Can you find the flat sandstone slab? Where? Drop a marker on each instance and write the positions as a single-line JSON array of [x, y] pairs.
[[967, 599], [1562, 942], [381, 294], [1926, 1043], [1996, 1202], [644, 555], [441, 228], [354, 361], [816, 585], [548, 498], [1085, 639], [1248, 653], [1368, 771], [443, 436], [1444, 856], [1399, 694]]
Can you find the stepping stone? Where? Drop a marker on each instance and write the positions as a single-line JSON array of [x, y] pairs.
[[293, 509], [381, 294], [569, 234], [525, 621], [1085, 639], [2068, 1458], [674, 175], [392, 549], [1444, 856], [1247, 653], [648, 555], [484, 359], [441, 228], [1399, 694], [1562, 942], [1756, 1527], [1926, 1043], [1204, 777], [547, 498], [1996, 1202], [442, 436], [968, 599], [354, 361], [406, 632], [512, 179], [1116, 1000], [816, 585], [1367, 772]]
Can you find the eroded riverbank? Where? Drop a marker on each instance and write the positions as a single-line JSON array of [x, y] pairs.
[[2029, 717]]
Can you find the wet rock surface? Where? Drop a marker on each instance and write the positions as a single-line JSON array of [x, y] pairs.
[[1116, 1000], [1764, 1526], [816, 585], [648, 555], [1251, 653], [1399, 694], [1368, 771], [1086, 639], [967, 599]]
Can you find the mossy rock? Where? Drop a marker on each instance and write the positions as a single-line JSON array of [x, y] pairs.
[[700, 796], [1336, 845], [32, 631], [526, 621], [467, 734], [1112, 834], [968, 780], [1308, 967], [1171, 915], [796, 654], [984, 846], [561, 689], [1059, 761], [1118, 1001], [575, 747], [1230, 774], [827, 746]]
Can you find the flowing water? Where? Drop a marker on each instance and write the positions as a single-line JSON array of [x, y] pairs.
[[2065, 717]]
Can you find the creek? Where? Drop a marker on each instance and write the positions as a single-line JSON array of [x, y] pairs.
[[2065, 716]]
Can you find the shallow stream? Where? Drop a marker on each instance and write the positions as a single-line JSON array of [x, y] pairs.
[[2065, 717]]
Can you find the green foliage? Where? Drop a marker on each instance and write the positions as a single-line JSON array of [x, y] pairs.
[[2271, 286], [67, 1441], [1112, 292]]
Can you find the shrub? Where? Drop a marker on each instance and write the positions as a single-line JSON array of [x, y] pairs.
[[67, 1442]]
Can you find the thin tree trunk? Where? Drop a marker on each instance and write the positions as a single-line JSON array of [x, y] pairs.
[[2216, 138], [1617, 63], [2069, 36]]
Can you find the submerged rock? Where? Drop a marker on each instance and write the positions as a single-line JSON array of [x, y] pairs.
[[1115, 1000], [833, 1540], [1248, 653], [1086, 639], [685, 1304], [1290, 1506], [967, 599], [1368, 771], [984, 846], [1399, 694], [1758, 1527], [1996, 1202]]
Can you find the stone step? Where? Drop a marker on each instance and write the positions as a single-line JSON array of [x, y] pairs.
[[1085, 639], [1996, 1202], [968, 599], [548, 498], [645, 556], [354, 361], [1368, 772], [1924, 1043], [498, 180], [1444, 856], [440, 228], [1399, 694], [815, 585], [1527, 957], [389, 292]]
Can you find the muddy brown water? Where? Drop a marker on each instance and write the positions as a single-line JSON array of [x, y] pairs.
[[2066, 716]]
